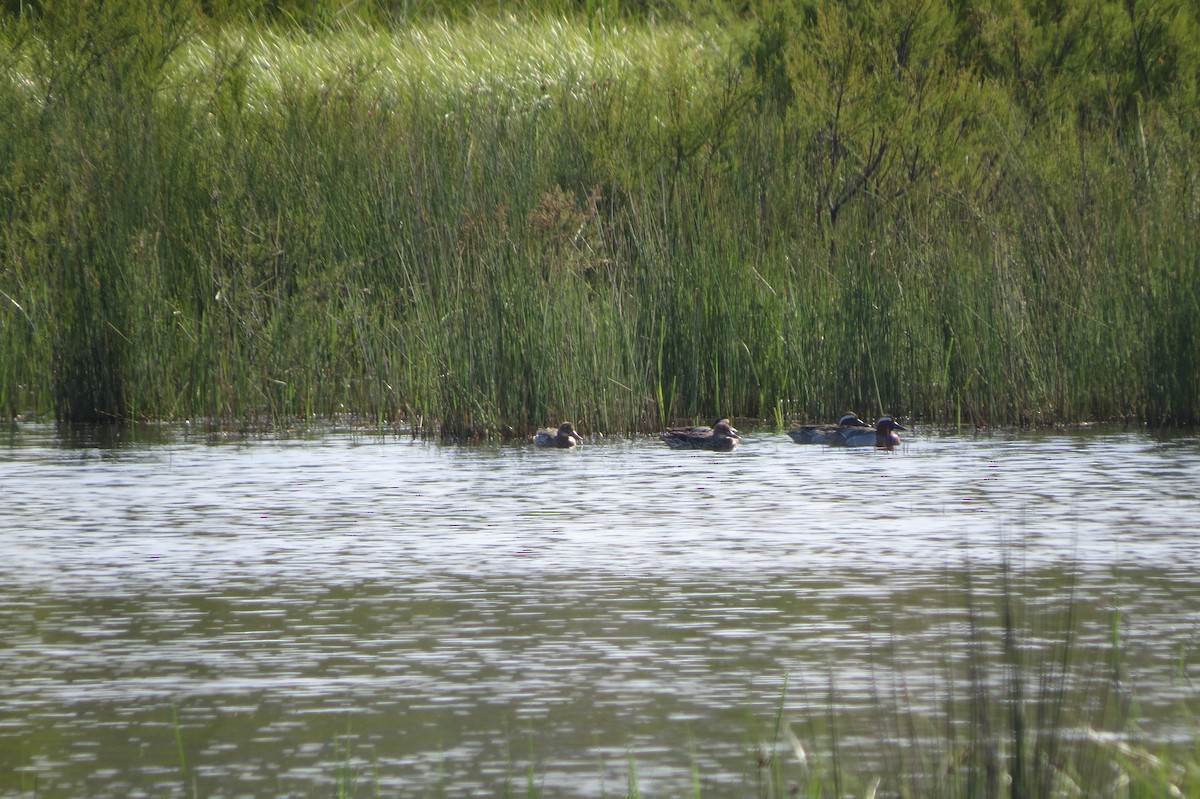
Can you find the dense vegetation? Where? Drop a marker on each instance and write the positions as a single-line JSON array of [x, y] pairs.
[[480, 223]]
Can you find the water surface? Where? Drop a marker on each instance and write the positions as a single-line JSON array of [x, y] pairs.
[[435, 619]]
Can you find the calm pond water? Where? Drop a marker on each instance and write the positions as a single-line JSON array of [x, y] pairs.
[[425, 619]]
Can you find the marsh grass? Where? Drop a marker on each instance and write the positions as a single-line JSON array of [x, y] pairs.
[[1026, 710], [472, 227]]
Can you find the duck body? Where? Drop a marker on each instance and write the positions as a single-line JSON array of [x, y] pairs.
[[830, 434], [721, 437], [882, 435], [562, 438]]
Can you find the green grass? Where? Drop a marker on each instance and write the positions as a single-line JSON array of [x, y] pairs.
[[477, 225]]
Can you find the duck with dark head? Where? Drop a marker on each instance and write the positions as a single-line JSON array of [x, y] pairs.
[[720, 437], [825, 433], [882, 435], [562, 438]]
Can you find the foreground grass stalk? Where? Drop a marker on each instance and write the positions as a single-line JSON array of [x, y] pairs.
[[187, 779]]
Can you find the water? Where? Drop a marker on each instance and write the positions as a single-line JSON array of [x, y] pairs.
[[424, 619]]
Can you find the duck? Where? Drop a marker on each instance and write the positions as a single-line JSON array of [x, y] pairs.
[[704, 430], [564, 437], [882, 435], [721, 437], [825, 433]]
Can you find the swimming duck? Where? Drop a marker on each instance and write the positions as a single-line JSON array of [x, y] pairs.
[[825, 433], [565, 436], [703, 431], [720, 437], [881, 435]]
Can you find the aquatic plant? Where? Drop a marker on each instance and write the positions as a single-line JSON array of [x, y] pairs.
[[472, 224], [1027, 710]]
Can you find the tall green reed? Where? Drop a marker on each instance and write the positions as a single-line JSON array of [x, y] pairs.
[[477, 229]]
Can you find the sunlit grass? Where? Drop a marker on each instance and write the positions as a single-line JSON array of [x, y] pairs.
[[517, 56]]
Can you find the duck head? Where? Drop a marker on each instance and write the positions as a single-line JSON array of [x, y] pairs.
[[567, 430], [723, 429], [727, 423]]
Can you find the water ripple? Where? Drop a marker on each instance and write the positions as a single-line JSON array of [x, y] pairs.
[[297, 603]]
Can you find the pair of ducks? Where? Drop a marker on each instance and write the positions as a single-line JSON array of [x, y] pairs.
[[720, 437], [850, 431]]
